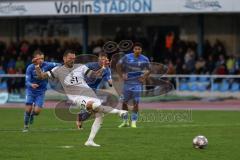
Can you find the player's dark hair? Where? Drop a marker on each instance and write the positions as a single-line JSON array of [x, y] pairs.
[[68, 52], [102, 54], [137, 44], [37, 52]]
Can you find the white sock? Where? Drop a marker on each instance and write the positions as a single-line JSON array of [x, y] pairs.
[[107, 109], [96, 126]]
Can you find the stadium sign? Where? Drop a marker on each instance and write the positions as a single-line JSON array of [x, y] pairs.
[[10, 8], [203, 4], [101, 7]]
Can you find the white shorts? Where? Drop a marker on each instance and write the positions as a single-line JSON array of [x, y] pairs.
[[83, 100]]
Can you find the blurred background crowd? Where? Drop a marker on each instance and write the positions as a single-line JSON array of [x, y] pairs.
[[179, 55]]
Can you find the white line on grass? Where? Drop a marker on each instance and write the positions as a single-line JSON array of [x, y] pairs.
[[65, 147], [116, 128]]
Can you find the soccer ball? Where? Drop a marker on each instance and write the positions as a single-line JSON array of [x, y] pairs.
[[200, 142]]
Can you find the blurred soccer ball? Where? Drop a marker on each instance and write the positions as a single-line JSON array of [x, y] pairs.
[[200, 142]]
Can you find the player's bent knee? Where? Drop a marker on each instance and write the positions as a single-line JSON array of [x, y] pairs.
[[135, 107], [37, 111], [96, 105], [28, 108], [93, 105]]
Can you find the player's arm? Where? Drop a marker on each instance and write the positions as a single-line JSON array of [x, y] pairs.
[[109, 77], [94, 74], [108, 74], [40, 73], [145, 75], [146, 72], [28, 78], [51, 65]]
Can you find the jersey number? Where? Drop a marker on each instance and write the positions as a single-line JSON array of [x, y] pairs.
[[74, 80], [83, 106]]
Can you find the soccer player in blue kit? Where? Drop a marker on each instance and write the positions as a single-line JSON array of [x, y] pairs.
[[106, 75], [133, 69], [35, 88], [95, 83]]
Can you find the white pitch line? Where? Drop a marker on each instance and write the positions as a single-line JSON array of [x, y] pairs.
[[65, 147], [116, 128]]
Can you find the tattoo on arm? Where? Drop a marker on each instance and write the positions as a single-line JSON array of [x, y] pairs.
[[94, 74], [40, 73], [146, 73]]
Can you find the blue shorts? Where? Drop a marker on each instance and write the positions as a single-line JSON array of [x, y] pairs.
[[132, 92], [84, 116], [36, 99]]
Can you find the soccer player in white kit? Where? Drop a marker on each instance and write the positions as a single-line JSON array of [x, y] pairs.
[[71, 77]]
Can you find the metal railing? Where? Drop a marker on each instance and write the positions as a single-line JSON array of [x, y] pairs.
[[178, 79]]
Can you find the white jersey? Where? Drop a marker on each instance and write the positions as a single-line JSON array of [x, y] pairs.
[[73, 83], [76, 77]]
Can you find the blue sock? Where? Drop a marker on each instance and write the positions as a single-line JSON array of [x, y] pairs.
[[26, 118], [134, 116], [125, 117], [32, 116]]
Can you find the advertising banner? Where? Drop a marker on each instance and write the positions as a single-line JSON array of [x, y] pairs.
[[99, 7]]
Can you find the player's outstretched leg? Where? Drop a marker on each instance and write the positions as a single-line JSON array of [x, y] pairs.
[[99, 113], [97, 106], [107, 109], [94, 130], [125, 122]]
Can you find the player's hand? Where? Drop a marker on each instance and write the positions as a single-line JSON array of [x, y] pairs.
[[34, 86], [79, 125], [142, 79], [35, 61]]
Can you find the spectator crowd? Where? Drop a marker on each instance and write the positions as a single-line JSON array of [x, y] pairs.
[[180, 56]]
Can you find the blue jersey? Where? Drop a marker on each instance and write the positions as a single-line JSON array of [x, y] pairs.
[[94, 82], [134, 67], [31, 77]]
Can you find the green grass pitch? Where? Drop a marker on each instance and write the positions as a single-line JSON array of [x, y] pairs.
[[154, 139]]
